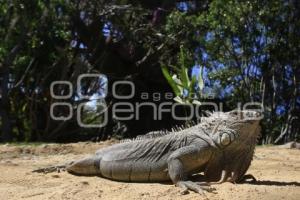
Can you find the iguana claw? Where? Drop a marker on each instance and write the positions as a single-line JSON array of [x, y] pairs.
[[247, 177], [194, 186]]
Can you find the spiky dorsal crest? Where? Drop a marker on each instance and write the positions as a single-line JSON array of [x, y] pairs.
[[161, 133], [213, 120]]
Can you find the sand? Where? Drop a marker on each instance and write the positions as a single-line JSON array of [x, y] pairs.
[[277, 171]]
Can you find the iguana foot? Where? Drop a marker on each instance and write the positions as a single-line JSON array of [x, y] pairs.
[[198, 187], [247, 177]]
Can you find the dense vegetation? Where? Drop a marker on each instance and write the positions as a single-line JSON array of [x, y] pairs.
[[248, 52]]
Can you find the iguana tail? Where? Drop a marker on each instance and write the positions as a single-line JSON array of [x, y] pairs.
[[51, 169], [87, 166]]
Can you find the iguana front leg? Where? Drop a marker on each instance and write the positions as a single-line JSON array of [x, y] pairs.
[[228, 176], [235, 179], [177, 168]]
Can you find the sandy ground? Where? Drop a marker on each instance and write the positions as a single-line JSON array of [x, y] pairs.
[[277, 171]]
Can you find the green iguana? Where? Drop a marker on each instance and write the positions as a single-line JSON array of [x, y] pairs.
[[221, 146]]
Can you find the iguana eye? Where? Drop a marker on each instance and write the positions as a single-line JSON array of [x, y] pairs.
[[225, 139]]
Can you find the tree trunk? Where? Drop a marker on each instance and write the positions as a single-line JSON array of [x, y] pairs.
[[6, 135]]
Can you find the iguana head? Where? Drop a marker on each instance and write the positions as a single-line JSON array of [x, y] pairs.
[[245, 123], [234, 127]]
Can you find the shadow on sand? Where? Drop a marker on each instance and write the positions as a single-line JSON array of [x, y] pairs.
[[272, 183], [253, 181]]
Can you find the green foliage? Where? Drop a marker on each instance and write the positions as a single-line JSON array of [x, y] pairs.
[[187, 90], [91, 113], [250, 47]]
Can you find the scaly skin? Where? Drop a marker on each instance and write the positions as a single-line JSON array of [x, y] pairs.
[[177, 155], [148, 160]]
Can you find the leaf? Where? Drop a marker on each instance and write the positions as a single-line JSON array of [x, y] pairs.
[[200, 80], [24, 107], [178, 84], [179, 100], [170, 80], [192, 86], [184, 76], [196, 102]]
